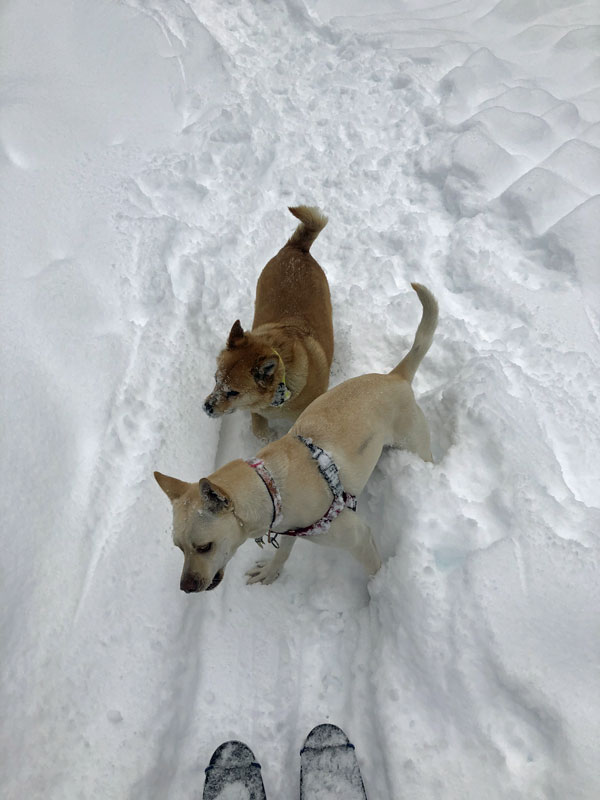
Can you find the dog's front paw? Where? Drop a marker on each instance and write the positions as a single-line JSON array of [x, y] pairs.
[[263, 572]]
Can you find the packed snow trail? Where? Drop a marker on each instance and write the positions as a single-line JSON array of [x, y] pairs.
[[151, 149]]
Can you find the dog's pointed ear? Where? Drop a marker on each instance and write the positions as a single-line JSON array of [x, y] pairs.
[[265, 369], [172, 487], [214, 498], [236, 335]]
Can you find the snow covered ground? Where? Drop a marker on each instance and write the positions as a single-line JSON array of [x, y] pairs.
[[149, 151]]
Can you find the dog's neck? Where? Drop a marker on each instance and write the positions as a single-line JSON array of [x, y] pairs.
[[286, 459], [294, 359], [251, 503]]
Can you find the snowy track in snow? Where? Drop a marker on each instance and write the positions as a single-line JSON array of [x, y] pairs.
[[456, 144]]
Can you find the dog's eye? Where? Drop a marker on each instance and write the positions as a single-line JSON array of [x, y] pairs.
[[232, 393], [203, 548]]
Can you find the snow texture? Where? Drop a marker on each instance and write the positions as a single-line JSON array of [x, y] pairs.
[[149, 151]]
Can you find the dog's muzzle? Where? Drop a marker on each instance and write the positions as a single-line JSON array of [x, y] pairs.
[[216, 580], [192, 583]]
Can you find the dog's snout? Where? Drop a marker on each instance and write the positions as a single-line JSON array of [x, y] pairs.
[[189, 583], [208, 408]]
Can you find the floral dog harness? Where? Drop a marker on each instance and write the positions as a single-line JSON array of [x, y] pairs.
[[328, 469]]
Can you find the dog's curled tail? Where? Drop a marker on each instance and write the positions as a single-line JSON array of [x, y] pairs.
[[424, 336], [312, 222]]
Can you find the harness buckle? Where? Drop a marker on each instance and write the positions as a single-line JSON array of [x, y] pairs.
[[350, 501], [331, 474]]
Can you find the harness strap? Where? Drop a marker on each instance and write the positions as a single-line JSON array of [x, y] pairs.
[[328, 469], [260, 468]]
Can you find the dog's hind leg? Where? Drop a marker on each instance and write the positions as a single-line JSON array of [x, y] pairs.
[[268, 571], [364, 548], [415, 437], [353, 534]]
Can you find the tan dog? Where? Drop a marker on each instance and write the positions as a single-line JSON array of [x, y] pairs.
[[283, 364], [352, 422]]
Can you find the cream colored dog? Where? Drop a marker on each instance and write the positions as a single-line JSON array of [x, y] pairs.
[[278, 368], [352, 422]]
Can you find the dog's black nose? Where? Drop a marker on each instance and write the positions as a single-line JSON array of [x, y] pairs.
[[208, 408], [189, 583]]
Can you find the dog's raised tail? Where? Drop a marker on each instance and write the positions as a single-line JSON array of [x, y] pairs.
[[424, 336], [312, 222]]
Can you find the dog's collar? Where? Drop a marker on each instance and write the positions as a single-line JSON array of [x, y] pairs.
[[282, 393], [328, 469]]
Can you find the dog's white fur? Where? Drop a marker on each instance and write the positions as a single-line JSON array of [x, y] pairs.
[[353, 422]]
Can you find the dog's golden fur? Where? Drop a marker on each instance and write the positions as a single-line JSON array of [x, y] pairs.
[[353, 422], [291, 341]]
